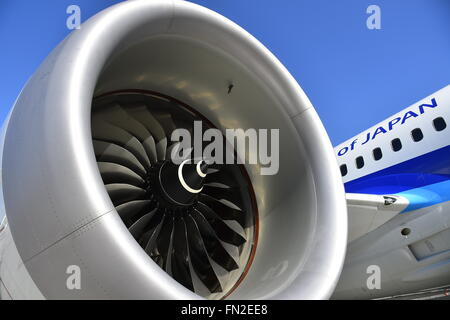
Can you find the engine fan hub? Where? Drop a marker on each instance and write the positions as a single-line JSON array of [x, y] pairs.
[[180, 184]]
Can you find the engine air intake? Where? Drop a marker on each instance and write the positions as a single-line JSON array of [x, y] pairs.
[[195, 220]]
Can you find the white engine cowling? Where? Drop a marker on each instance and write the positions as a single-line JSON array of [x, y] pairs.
[[60, 213]]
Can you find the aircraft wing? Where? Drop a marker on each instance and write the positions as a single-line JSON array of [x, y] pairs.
[[366, 212]]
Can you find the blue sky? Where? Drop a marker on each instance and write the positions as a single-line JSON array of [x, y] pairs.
[[355, 77]]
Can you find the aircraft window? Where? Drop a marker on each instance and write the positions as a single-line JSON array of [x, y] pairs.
[[377, 154], [344, 170], [359, 162], [439, 124], [396, 144], [417, 135]]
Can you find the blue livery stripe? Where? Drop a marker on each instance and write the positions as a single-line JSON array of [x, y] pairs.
[[427, 196], [428, 169]]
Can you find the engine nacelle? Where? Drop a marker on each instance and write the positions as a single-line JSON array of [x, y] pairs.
[[61, 214]]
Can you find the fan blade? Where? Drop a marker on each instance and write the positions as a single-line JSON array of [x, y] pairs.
[[222, 230], [184, 123], [165, 119], [199, 258], [221, 176], [180, 258], [161, 148], [138, 227], [150, 146], [230, 194], [116, 173], [181, 120], [107, 132], [163, 242], [141, 113], [222, 210], [108, 152], [212, 244], [120, 117], [121, 193], [130, 209], [148, 239]]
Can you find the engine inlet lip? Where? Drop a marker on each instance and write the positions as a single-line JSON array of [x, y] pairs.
[[244, 173]]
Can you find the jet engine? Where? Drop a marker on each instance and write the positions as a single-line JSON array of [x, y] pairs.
[[90, 189]]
